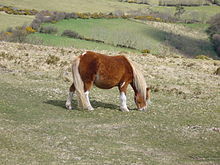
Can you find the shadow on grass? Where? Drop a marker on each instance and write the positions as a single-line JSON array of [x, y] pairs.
[[188, 46], [95, 104]]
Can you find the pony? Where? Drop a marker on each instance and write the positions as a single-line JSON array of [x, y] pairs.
[[106, 72]]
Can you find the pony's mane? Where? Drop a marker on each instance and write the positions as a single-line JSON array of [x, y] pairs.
[[139, 80]]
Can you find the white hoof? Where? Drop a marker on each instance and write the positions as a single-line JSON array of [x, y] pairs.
[[68, 106], [123, 109], [90, 108]]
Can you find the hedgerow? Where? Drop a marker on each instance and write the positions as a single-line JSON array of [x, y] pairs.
[[184, 2], [17, 34], [214, 32], [16, 11]]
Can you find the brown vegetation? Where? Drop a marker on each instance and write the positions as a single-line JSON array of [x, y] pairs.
[[17, 34], [16, 11]]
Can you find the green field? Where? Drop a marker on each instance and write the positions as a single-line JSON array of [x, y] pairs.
[[59, 41], [112, 31], [159, 38], [180, 127], [74, 5], [7, 20], [201, 13]]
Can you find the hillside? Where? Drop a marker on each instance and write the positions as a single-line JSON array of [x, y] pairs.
[[74, 5], [171, 47], [199, 13], [166, 39], [182, 125]]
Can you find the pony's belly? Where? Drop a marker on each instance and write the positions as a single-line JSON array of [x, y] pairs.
[[104, 84]]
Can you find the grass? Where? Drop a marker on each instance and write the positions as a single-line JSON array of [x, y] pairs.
[[60, 41], [159, 38], [201, 13], [7, 20], [37, 129], [37, 125], [197, 26], [74, 5], [112, 31]]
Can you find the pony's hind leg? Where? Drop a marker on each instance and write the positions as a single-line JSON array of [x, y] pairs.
[[70, 97], [88, 86]]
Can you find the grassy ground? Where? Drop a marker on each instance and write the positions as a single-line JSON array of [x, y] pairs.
[[201, 13], [112, 31], [159, 38], [59, 41], [7, 20], [74, 5], [182, 126]]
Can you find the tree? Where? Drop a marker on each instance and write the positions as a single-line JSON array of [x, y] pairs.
[[179, 11]]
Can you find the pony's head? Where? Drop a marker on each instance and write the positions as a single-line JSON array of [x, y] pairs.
[[141, 101]]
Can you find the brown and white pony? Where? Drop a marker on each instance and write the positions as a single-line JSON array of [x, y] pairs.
[[106, 72]]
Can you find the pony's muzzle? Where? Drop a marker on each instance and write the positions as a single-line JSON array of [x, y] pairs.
[[143, 109]]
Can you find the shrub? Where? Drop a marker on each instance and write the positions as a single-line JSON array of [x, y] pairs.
[[217, 72], [214, 27], [83, 15], [183, 2], [217, 2], [72, 34], [48, 29], [70, 15], [145, 51], [51, 59], [29, 29], [15, 11], [179, 11], [214, 32], [18, 35], [203, 57], [216, 40]]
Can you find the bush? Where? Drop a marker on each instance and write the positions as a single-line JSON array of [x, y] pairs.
[[15, 11], [217, 2], [51, 59], [216, 40], [202, 57], [183, 2], [72, 34], [19, 34], [29, 29], [145, 51], [214, 27], [136, 1], [48, 29], [214, 32]]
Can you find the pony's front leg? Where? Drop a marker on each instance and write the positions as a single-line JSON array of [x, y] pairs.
[[90, 108], [123, 100]]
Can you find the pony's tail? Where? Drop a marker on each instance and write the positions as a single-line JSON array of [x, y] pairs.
[[79, 85]]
